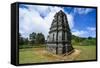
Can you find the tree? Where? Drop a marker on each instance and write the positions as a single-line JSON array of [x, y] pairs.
[[32, 37], [89, 37], [25, 40], [37, 38], [40, 39], [21, 41]]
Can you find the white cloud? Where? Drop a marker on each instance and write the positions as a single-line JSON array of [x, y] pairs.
[[80, 33], [70, 20], [90, 31], [42, 10], [31, 21], [82, 10], [91, 28]]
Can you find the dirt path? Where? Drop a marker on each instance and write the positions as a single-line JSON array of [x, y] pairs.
[[53, 57]]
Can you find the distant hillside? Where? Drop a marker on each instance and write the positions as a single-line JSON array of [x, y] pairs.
[[83, 41]]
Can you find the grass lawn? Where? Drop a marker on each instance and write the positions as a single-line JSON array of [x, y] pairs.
[[87, 52], [37, 55]]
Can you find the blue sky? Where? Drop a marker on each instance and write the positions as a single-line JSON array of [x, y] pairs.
[[35, 18]]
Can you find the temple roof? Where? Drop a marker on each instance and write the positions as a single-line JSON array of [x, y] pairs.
[[61, 12], [61, 18], [60, 21]]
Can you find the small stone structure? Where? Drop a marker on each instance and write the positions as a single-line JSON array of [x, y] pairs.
[[59, 38]]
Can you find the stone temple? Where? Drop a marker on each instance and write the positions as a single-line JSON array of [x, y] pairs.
[[59, 38]]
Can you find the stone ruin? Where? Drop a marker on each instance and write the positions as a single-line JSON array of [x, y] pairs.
[[59, 38]]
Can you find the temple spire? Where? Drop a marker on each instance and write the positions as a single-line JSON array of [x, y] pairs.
[[59, 35]]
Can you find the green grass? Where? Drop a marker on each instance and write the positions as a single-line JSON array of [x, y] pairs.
[[30, 55], [87, 52], [38, 54], [31, 46]]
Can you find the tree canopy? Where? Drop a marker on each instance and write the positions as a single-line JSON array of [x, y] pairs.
[[37, 38]]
